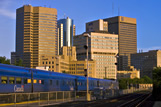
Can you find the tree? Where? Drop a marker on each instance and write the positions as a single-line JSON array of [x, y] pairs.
[[123, 83], [4, 60], [147, 79], [157, 83], [64, 72], [19, 63]]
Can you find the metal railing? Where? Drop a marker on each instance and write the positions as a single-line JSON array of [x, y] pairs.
[[56, 97], [41, 98]]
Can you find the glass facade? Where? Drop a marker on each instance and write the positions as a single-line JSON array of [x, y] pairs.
[[65, 32]]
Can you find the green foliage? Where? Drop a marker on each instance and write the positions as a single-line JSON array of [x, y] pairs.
[[157, 83], [4, 60], [147, 79], [19, 63], [126, 82], [64, 72], [123, 83]]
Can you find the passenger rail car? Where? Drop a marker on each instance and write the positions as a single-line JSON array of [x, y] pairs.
[[19, 79]]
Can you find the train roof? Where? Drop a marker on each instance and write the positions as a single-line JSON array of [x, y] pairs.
[[14, 68]]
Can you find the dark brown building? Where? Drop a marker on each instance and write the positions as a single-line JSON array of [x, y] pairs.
[[125, 27]]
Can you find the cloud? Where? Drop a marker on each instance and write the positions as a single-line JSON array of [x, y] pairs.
[[4, 9], [8, 13], [150, 48]]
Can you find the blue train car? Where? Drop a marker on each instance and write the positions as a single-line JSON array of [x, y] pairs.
[[19, 79]]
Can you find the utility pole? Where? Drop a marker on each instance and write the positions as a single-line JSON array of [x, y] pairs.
[[105, 72]]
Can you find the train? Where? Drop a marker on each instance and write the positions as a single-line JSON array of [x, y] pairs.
[[16, 79]]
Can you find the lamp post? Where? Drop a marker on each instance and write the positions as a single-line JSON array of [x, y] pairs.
[[105, 72], [86, 47], [57, 63], [117, 56]]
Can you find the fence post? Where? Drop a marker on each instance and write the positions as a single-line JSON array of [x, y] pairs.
[[56, 95], [48, 98], [63, 96], [15, 99], [75, 95], [69, 95], [39, 98]]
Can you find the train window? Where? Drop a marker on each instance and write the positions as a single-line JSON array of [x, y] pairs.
[[11, 80], [28, 80], [4, 80], [42, 81], [57, 82], [50, 82], [18, 80], [77, 83], [35, 81], [25, 80]]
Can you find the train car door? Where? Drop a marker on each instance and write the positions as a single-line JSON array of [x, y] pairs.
[[98, 84], [76, 86]]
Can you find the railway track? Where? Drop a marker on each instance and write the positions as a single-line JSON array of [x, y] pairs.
[[130, 100], [136, 102]]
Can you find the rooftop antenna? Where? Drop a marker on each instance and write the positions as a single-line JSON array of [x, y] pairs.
[[112, 8], [64, 15], [118, 11], [23, 2]]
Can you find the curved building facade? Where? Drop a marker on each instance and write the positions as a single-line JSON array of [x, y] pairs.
[[66, 31]]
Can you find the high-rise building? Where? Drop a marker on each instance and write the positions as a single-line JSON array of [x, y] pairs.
[[36, 34], [98, 25], [125, 27], [103, 48], [66, 31], [146, 61], [67, 63]]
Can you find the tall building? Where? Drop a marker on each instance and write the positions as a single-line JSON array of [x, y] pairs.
[[36, 34], [66, 31], [98, 25], [67, 63], [146, 61], [125, 27], [131, 72], [103, 48]]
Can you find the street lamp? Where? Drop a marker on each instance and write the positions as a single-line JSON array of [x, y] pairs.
[[57, 63], [105, 73], [86, 47], [117, 56]]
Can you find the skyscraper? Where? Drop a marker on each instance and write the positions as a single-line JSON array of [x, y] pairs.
[[125, 27], [103, 48], [66, 31], [36, 34]]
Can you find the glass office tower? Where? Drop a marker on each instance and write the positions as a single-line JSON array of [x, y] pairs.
[[66, 31]]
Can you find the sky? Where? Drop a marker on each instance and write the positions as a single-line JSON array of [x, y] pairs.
[[146, 12]]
